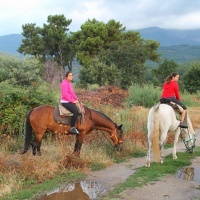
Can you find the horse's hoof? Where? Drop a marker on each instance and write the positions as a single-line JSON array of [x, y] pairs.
[[23, 151], [161, 161], [147, 164]]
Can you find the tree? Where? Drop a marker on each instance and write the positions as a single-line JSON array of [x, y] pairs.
[[166, 68], [33, 43], [99, 73], [21, 72], [191, 79], [129, 54], [96, 36], [48, 42]]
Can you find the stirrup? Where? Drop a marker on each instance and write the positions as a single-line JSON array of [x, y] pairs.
[[183, 125], [74, 130]]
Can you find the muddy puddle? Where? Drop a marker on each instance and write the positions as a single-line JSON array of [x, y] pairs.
[[189, 174], [83, 190]]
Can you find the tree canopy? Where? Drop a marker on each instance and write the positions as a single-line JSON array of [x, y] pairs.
[[116, 50], [48, 42], [191, 78]]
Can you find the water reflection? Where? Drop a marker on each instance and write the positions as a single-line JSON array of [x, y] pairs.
[[189, 174], [83, 190]]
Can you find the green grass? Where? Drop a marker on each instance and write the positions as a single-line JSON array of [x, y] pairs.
[[146, 175], [97, 166], [139, 154], [45, 186], [167, 146]]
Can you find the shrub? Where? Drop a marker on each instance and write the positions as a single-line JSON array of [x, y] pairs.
[[145, 95], [16, 101]]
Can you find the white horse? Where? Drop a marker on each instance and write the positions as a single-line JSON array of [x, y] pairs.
[[161, 120]]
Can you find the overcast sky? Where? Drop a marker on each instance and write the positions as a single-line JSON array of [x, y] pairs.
[[133, 14]]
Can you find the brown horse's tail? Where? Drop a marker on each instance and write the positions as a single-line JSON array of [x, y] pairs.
[[156, 134], [28, 136]]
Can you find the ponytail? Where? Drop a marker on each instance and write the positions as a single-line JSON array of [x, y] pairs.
[[170, 77]]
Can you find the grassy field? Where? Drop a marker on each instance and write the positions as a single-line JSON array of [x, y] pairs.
[[23, 176]]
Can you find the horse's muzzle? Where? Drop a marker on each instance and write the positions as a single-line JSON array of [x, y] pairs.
[[119, 147]]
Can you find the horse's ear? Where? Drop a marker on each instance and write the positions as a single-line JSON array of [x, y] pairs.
[[120, 126]]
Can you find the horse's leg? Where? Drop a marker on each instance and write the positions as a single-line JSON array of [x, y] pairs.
[[78, 144], [161, 153], [33, 145], [36, 144], [38, 148], [175, 142], [162, 140], [148, 153]]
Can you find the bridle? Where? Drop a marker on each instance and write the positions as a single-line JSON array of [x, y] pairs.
[[116, 138], [190, 140]]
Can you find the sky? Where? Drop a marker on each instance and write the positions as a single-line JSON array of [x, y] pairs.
[[133, 14]]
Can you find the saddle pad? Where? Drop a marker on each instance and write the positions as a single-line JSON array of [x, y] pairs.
[[175, 106], [64, 111], [61, 119]]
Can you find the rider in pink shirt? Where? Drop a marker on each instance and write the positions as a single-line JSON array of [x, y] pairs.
[[69, 100]]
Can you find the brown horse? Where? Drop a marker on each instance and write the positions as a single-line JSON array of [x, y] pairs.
[[41, 119]]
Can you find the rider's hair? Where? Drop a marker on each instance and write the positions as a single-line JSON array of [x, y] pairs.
[[171, 76], [67, 73]]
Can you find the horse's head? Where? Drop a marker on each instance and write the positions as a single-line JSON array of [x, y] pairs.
[[117, 138], [189, 140]]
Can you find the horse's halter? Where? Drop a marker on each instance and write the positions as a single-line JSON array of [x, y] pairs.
[[188, 142], [114, 135]]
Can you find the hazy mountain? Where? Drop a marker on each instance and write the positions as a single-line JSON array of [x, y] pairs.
[[10, 43], [178, 45], [169, 37]]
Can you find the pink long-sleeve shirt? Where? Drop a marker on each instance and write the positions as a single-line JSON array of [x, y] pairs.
[[67, 92]]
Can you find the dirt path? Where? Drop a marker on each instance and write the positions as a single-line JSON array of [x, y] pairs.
[[168, 187]]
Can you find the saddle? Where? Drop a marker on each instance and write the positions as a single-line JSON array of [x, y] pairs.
[[63, 116], [178, 109]]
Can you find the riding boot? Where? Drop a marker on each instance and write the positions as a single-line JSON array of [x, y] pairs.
[[184, 123], [74, 130]]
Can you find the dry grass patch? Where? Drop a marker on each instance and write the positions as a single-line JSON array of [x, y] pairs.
[[194, 113]]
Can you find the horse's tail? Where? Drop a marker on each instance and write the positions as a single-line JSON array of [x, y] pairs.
[[28, 136], [155, 134]]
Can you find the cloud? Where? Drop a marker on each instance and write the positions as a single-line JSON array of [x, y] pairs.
[[133, 14]]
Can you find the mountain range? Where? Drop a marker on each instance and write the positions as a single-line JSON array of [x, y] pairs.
[[170, 37], [178, 45]]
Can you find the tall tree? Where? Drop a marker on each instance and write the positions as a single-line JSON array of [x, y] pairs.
[[48, 42], [129, 54], [96, 36], [33, 43]]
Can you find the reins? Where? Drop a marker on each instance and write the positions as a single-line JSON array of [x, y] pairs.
[[108, 138]]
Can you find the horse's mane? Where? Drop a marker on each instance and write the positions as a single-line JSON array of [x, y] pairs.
[[102, 114]]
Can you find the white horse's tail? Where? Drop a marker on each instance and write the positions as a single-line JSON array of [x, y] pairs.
[[155, 133]]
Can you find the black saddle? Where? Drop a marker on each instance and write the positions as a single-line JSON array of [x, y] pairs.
[[170, 103]]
